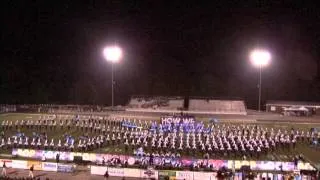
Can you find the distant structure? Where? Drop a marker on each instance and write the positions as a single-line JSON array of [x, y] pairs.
[[156, 104], [192, 105], [293, 108], [217, 106]]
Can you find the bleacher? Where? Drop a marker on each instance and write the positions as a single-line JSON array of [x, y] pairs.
[[5, 108], [196, 105], [50, 108], [212, 106], [141, 104], [155, 104]]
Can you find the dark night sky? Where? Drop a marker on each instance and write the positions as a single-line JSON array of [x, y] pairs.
[[52, 53]]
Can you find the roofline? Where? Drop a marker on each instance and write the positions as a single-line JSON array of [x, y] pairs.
[[154, 96], [306, 105], [216, 98]]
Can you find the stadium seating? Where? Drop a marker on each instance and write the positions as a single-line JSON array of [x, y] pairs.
[[196, 105], [210, 106], [155, 103], [4, 108]]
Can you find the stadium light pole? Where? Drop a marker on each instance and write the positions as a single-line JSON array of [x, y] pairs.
[[112, 54], [260, 58]]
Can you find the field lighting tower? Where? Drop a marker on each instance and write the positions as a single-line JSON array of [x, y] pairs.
[[112, 54], [260, 58]]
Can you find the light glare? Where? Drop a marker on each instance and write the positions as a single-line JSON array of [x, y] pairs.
[[260, 57], [112, 53]]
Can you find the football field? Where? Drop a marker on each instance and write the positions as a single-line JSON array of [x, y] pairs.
[[311, 154]]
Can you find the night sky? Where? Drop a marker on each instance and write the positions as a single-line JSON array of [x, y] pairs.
[[52, 53]]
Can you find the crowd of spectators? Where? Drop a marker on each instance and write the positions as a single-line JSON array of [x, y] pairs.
[[52, 108], [24, 178], [8, 108]]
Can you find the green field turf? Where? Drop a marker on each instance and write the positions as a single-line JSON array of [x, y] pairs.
[[19, 116], [309, 153]]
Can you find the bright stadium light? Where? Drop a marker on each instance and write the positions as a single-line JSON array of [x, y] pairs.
[[112, 54], [260, 58]]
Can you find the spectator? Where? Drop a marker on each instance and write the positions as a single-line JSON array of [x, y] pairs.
[[58, 158], [4, 169], [43, 157], [106, 175], [31, 171]]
